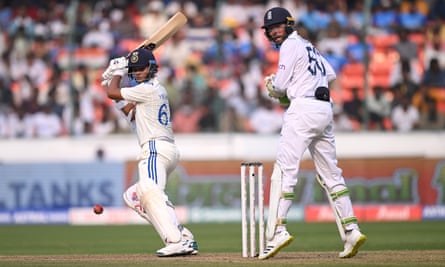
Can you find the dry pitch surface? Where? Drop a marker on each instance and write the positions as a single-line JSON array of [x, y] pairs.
[[425, 258]]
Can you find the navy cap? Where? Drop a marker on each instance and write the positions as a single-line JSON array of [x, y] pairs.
[[277, 15], [141, 57]]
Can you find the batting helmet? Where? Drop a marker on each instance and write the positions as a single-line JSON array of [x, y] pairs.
[[142, 57]]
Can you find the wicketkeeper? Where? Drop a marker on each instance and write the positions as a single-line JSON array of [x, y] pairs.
[[302, 80]]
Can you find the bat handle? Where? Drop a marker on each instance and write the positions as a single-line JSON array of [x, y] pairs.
[[151, 46]]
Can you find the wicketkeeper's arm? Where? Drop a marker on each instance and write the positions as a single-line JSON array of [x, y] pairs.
[[282, 97]]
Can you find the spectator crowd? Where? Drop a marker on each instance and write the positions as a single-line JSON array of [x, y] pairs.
[[53, 53]]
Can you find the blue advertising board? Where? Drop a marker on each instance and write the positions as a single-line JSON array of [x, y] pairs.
[[55, 186]]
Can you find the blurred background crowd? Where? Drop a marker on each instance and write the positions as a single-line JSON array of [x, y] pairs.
[[53, 53]]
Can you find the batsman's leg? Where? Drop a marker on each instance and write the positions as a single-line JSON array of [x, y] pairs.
[[155, 203], [132, 201]]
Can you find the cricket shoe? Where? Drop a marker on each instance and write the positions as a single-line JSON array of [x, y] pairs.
[[181, 248], [354, 239], [131, 199], [279, 241], [187, 235]]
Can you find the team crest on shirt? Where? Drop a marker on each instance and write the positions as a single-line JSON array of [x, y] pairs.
[[282, 67], [134, 57]]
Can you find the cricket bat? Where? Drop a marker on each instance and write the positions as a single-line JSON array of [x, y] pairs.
[[158, 38], [165, 32]]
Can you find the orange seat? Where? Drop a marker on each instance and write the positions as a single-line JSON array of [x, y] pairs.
[[346, 95], [380, 72], [353, 39], [381, 68], [379, 79], [383, 41], [353, 69], [352, 75], [439, 95], [349, 82], [418, 38]]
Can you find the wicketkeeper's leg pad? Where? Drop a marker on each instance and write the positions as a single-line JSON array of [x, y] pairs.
[[343, 207], [277, 196]]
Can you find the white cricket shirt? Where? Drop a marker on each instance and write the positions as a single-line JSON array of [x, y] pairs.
[[153, 118], [301, 68]]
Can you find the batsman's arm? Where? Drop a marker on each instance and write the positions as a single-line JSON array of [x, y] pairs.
[[114, 90], [127, 110]]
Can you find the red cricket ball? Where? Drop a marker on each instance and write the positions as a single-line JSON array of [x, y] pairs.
[[98, 209]]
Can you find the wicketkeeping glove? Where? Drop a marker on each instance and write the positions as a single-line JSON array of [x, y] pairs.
[[284, 101], [270, 88]]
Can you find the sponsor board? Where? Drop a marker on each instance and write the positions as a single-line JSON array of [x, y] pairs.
[[34, 217], [53, 186], [367, 213], [111, 215], [114, 215], [434, 212], [198, 215]]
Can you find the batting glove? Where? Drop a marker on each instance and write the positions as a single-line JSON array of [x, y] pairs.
[[107, 74], [119, 66], [106, 83]]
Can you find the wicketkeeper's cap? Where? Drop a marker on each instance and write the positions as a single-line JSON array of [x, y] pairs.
[[277, 15]]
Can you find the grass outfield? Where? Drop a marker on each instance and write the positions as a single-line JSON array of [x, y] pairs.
[[315, 244]]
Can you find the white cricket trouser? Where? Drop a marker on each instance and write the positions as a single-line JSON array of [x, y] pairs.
[[158, 159], [308, 124], [156, 162]]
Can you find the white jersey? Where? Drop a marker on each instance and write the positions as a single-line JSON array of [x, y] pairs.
[[153, 120], [301, 68]]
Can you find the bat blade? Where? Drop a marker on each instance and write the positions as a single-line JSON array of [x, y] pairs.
[[165, 32]]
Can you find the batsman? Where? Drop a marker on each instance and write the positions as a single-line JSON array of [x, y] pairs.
[[146, 107], [302, 79]]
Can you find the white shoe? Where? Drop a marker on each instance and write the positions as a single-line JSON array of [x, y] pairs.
[[183, 247], [131, 199], [279, 241], [186, 234], [354, 239]]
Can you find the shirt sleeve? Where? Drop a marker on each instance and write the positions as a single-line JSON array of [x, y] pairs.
[[288, 56], [136, 93]]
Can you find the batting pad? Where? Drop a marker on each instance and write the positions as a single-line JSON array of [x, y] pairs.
[[154, 202]]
